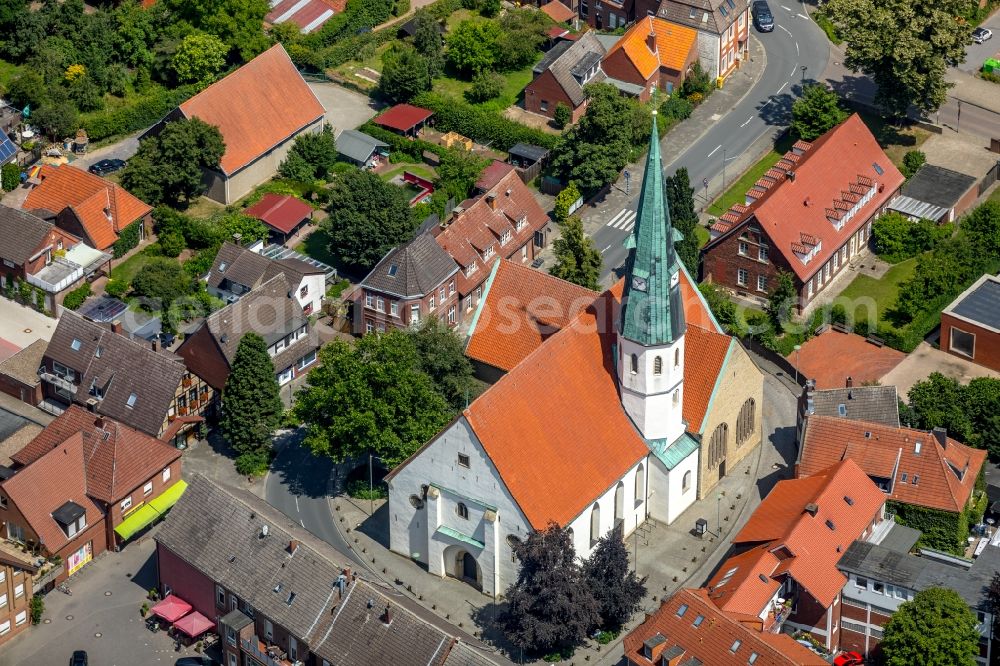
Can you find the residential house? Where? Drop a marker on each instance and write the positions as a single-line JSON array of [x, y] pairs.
[[281, 596], [879, 404], [361, 149], [237, 270], [914, 467], [273, 312], [307, 15], [491, 175], [970, 325], [521, 308], [38, 252], [528, 159], [688, 628], [559, 77], [558, 12], [412, 281], [404, 119], [652, 54], [504, 222], [935, 193], [784, 568], [618, 393], [809, 215], [283, 214], [881, 578], [135, 383], [89, 207], [723, 29], [19, 373], [16, 589], [132, 477], [259, 109]]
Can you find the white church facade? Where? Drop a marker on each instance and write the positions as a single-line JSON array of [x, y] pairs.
[[602, 425]]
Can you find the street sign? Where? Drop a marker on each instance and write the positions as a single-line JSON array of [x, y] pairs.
[[704, 181], [628, 180]]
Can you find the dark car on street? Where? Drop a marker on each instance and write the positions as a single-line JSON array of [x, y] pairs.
[[762, 17], [79, 658], [104, 167]]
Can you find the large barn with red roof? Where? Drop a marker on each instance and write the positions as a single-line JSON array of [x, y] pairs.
[[622, 408]]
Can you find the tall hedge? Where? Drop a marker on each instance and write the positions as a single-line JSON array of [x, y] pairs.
[[128, 238], [482, 125], [136, 115], [941, 530]]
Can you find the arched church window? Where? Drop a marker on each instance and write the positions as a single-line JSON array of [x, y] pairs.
[[677, 357], [640, 484], [595, 524], [686, 481], [658, 366], [462, 510], [635, 364]]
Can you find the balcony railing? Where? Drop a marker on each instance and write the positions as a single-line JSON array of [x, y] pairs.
[[268, 656], [57, 380]]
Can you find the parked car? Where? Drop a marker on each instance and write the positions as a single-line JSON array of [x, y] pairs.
[[104, 167], [762, 17], [79, 658], [849, 659], [980, 35]]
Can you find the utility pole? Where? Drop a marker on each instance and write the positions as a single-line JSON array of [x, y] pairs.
[[371, 488], [723, 170]]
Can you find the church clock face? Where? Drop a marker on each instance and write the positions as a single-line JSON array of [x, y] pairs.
[[639, 283]]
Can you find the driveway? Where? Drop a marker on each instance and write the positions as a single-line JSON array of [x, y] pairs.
[[101, 617], [22, 326], [924, 360], [121, 150], [975, 54], [345, 109]]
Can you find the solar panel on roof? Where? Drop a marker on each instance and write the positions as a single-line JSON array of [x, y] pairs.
[[7, 149]]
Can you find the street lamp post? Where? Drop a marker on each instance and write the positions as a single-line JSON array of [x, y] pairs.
[[797, 348], [723, 170], [718, 514]]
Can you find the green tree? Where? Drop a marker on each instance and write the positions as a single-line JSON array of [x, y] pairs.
[[37, 608], [782, 299], [891, 234], [723, 309], [564, 201], [912, 161], [199, 59], [485, 86], [562, 116], [161, 282], [617, 589], [458, 172], [939, 402], [577, 258], [251, 405], [28, 89], [816, 112], [490, 8], [680, 197], [371, 396], [474, 46], [56, 120], [405, 74], [317, 151], [10, 176], [936, 628], [441, 355], [168, 168], [428, 41], [368, 217], [905, 46], [550, 607], [523, 31], [249, 228], [238, 23]]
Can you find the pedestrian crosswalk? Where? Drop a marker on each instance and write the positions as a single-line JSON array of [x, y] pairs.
[[624, 220]]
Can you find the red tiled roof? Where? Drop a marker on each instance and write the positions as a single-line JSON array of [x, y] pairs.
[[839, 161], [114, 465], [673, 45], [711, 642], [558, 12], [522, 308], [403, 117], [257, 107], [810, 546], [831, 357], [480, 226], [492, 174], [308, 15], [946, 475], [704, 353], [42, 487], [92, 198], [281, 212]]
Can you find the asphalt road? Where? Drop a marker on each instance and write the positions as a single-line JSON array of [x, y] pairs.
[[299, 485], [795, 43], [975, 54]]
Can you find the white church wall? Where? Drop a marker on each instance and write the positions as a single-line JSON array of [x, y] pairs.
[[634, 512], [679, 496]]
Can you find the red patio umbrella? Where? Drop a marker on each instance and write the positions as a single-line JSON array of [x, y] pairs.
[[194, 624], [172, 608]]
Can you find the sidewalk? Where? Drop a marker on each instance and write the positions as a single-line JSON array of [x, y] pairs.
[[669, 556]]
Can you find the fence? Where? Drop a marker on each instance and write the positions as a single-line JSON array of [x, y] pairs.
[[992, 176]]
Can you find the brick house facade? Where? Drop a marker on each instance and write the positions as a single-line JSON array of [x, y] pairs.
[[653, 53], [16, 590], [560, 76], [723, 29], [970, 326]]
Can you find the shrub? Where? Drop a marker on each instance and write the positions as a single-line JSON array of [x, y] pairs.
[[697, 81], [10, 177], [483, 125], [359, 489], [827, 26], [128, 238], [136, 115], [676, 108], [75, 298], [563, 115], [116, 288], [172, 244], [912, 161], [37, 608], [253, 463], [485, 86]]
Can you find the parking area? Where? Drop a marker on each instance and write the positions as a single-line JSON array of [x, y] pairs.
[[345, 109], [101, 617], [924, 360], [21, 326]]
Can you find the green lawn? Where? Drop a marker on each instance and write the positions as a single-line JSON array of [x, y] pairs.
[[883, 291], [703, 235], [995, 196], [127, 269], [419, 169], [896, 141], [737, 191], [462, 15], [7, 72], [317, 246], [514, 83]]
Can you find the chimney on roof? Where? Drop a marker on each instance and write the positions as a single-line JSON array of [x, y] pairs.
[[293, 545], [808, 201], [791, 175], [116, 327], [99, 422], [237, 237], [491, 200], [386, 615], [347, 574], [156, 343], [850, 382], [651, 41], [941, 435], [812, 508]]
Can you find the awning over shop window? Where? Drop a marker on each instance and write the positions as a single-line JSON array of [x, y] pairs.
[[168, 497], [171, 609], [136, 521], [194, 624]]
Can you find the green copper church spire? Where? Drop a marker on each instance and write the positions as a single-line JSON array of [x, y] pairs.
[[652, 311]]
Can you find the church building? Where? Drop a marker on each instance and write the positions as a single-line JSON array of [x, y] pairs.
[[627, 410]]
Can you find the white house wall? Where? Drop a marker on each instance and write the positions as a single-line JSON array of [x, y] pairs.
[[413, 532], [314, 294], [679, 498], [634, 512], [708, 52]]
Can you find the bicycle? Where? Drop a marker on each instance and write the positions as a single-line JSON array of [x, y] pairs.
[[64, 588]]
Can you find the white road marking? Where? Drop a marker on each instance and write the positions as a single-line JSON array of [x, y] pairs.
[[624, 220], [787, 31], [781, 88], [716, 150], [747, 121], [787, 9], [606, 249], [803, 16], [793, 71], [301, 523], [296, 502], [796, 48]]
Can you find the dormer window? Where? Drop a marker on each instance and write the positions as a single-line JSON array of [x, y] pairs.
[[522, 222], [488, 252], [72, 518], [505, 238], [471, 269], [75, 345]]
